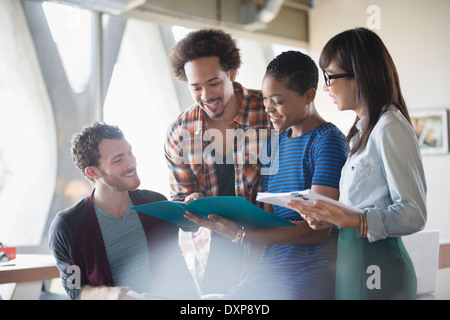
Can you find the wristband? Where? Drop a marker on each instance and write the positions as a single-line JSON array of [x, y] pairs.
[[239, 236], [362, 231]]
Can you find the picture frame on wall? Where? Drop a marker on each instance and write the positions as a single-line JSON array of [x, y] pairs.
[[431, 128]]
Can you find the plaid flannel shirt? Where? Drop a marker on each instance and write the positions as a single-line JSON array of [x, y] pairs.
[[191, 163]]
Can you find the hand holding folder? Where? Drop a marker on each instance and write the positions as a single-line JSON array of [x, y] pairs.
[[238, 209]]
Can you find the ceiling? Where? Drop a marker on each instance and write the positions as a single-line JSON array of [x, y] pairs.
[[284, 21]]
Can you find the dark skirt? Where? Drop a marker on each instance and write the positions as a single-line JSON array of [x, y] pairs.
[[371, 271]]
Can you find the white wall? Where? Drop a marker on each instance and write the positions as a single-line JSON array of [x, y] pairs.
[[416, 34]]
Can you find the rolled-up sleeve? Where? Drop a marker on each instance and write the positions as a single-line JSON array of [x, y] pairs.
[[405, 211]]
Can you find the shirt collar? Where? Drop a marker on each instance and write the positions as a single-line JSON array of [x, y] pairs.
[[242, 116], [360, 124]]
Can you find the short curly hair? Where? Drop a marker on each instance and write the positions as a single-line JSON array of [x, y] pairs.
[[296, 70], [204, 43], [85, 151]]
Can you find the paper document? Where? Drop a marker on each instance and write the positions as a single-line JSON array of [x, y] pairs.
[[306, 196], [237, 209]]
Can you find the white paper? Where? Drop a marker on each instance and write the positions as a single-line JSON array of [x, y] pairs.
[[305, 196]]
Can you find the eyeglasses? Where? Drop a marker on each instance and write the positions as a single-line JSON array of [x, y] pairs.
[[328, 77]]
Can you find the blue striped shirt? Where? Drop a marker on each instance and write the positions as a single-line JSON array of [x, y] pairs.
[[300, 271]]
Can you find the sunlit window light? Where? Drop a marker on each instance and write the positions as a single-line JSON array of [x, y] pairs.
[[71, 29]]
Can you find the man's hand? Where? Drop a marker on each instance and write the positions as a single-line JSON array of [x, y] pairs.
[[193, 196], [105, 293], [215, 223]]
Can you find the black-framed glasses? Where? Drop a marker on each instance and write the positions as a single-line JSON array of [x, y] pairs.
[[328, 77]]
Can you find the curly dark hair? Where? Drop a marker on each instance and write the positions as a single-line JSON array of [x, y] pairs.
[[205, 43], [296, 70], [85, 144]]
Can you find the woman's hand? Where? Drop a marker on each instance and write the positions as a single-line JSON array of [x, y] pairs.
[[215, 223], [321, 213], [315, 224]]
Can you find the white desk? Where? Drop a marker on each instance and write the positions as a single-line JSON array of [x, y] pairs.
[[25, 275]]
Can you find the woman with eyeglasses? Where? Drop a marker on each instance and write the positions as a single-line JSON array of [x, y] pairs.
[[383, 175]]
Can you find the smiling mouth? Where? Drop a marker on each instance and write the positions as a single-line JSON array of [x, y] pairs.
[[130, 173], [334, 99], [275, 119], [212, 105]]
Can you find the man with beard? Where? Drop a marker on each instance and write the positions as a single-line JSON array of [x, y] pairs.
[[210, 146], [103, 247]]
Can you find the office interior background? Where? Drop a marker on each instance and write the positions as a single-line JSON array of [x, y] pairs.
[[64, 66]]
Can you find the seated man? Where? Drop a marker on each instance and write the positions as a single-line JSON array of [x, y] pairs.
[[103, 248]]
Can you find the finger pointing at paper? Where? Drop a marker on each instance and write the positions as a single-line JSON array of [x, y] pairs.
[[322, 211]]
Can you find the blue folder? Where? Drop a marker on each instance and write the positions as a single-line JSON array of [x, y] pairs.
[[237, 209]]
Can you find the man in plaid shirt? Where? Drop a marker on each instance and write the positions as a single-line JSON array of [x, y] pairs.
[[212, 148]]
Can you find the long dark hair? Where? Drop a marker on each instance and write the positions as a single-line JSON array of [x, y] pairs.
[[362, 52]]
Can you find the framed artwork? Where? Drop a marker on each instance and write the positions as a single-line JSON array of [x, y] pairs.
[[431, 127]]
